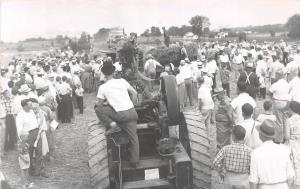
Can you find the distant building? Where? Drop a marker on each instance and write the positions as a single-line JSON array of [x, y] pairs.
[[221, 35], [189, 36]]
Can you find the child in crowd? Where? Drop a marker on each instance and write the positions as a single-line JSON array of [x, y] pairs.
[[24, 159], [225, 76], [79, 97], [267, 114]]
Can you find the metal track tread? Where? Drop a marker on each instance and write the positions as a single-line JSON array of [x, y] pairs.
[[141, 184]]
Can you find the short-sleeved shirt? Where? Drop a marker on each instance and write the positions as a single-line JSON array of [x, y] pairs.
[[295, 89], [237, 104], [205, 96], [115, 91], [280, 90]]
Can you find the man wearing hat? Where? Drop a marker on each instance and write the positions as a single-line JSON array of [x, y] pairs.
[[250, 79], [115, 107], [271, 166]]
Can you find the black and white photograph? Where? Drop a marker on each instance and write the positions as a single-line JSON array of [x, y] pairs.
[[149, 94]]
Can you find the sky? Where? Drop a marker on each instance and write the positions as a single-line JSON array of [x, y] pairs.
[[22, 19]]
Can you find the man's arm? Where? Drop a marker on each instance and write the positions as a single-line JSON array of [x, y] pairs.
[[218, 163], [133, 94], [19, 125]]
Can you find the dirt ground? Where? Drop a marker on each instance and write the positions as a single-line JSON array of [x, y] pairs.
[[69, 167]]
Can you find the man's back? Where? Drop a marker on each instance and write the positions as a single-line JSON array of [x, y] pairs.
[[115, 91], [270, 164]]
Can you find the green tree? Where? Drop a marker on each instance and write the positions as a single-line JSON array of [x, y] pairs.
[[199, 23], [293, 24]]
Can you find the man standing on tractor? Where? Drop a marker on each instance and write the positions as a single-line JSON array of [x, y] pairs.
[[115, 108], [150, 69]]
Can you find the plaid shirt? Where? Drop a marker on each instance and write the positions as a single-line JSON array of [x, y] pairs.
[[233, 158], [7, 104]]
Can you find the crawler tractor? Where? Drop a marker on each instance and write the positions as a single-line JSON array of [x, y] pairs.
[[174, 146]]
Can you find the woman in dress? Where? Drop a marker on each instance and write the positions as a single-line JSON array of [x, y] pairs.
[[293, 139]]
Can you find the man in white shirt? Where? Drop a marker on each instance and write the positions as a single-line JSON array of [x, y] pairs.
[[187, 74], [271, 166], [237, 64], [150, 69], [115, 108], [238, 102], [205, 102], [252, 138], [295, 89], [27, 124], [212, 70], [275, 67], [280, 96]]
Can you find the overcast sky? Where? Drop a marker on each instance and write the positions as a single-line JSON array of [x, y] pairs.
[[47, 18]]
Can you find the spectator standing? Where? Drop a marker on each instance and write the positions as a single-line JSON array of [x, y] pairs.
[[238, 102], [225, 78], [223, 121], [280, 97], [275, 67], [10, 138], [205, 102], [252, 138], [187, 74], [271, 166], [233, 161], [250, 79], [237, 64], [212, 70], [267, 114], [79, 97], [181, 88]]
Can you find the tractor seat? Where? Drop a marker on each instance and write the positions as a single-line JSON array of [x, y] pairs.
[[118, 135]]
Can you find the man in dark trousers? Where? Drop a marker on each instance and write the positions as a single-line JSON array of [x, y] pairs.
[[115, 108], [250, 79]]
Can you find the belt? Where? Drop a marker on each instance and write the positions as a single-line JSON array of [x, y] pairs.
[[273, 183]]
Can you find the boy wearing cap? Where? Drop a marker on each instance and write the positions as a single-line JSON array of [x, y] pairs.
[[233, 161]]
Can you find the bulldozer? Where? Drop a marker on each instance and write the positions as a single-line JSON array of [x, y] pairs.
[[174, 144]]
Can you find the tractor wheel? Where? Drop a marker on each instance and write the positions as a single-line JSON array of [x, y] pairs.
[[170, 96], [199, 149], [98, 158]]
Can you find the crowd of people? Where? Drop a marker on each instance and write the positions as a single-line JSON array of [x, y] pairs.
[[257, 149], [37, 96]]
